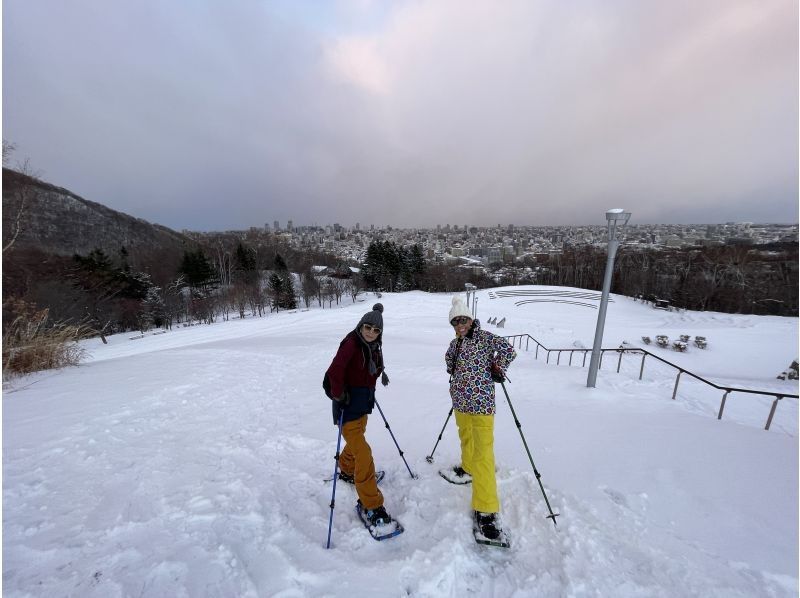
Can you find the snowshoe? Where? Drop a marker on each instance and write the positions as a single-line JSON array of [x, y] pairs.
[[348, 479], [456, 475], [487, 530], [378, 522]]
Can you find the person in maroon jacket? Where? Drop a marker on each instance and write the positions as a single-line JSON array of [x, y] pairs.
[[352, 374]]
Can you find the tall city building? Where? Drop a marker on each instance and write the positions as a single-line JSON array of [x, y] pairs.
[[276, 225]]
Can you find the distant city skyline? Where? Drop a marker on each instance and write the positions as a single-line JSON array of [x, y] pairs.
[[291, 225], [224, 116], [480, 247]]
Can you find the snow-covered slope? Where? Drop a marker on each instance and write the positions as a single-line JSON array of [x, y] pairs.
[[190, 464]]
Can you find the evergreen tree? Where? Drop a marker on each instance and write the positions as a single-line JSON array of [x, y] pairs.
[[385, 267], [372, 267], [113, 296], [246, 271], [202, 279], [276, 290], [416, 264], [393, 260], [282, 286], [280, 263], [198, 271], [309, 286]]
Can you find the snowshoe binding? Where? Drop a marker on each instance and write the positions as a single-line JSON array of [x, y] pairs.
[[348, 479], [456, 475], [487, 530], [378, 522]]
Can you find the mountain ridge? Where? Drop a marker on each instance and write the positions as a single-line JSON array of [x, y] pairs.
[[57, 221]]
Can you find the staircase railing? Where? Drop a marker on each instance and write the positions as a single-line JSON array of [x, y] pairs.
[[516, 341]]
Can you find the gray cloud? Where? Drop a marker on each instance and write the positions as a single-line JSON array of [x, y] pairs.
[[212, 115]]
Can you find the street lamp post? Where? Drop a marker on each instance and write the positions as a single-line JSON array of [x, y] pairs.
[[614, 218], [470, 289]]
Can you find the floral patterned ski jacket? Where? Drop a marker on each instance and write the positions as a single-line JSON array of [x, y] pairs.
[[469, 363]]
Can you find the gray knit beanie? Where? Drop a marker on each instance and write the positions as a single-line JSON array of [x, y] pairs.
[[374, 317]]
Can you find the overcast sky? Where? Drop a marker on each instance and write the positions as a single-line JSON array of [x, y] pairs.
[[229, 114]]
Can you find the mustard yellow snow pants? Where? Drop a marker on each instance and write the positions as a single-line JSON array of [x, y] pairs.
[[476, 433], [356, 460]]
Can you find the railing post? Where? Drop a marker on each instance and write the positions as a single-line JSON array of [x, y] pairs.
[[548, 357], [641, 369], [678, 379], [619, 363], [558, 359], [600, 365], [584, 358], [570, 357], [537, 351], [772, 411], [722, 405], [527, 340]]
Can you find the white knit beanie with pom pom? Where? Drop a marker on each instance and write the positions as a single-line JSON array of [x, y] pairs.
[[459, 309]]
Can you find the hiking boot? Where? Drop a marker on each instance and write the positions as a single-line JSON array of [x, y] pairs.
[[487, 524], [456, 475], [347, 477], [376, 516], [462, 475]]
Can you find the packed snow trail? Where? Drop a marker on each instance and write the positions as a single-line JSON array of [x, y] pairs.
[[189, 464]]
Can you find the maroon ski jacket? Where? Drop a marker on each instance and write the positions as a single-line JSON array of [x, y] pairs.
[[349, 371]]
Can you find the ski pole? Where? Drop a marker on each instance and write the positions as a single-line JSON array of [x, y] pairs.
[[395, 440], [429, 458], [335, 475], [535, 471]]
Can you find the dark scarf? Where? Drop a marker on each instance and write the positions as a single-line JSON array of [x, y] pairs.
[[372, 348]]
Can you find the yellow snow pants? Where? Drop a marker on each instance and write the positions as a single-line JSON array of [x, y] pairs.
[[356, 460], [476, 433]]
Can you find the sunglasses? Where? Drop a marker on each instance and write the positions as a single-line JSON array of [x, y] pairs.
[[459, 321], [369, 328]]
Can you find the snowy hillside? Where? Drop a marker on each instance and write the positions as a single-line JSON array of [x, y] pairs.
[[191, 463]]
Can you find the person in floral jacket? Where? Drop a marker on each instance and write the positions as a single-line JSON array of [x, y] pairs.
[[475, 360]]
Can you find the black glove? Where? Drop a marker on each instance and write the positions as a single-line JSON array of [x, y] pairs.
[[343, 399], [384, 379], [497, 373]]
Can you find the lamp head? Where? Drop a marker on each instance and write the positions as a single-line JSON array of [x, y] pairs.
[[618, 214]]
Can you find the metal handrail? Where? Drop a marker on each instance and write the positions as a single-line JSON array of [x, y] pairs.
[[513, 338]]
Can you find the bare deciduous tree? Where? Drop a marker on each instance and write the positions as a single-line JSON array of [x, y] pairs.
[[18, 198], [354, 287]]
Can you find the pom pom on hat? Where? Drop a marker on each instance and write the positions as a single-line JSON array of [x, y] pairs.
[[459, 308], [374, 317]]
